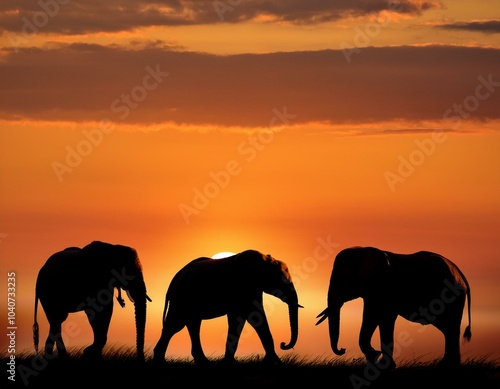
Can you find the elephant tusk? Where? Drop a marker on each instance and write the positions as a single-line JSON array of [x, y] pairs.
[[119, 298], [300, 306], [323, 316], [129, 296], [121, 301], [131, 299]]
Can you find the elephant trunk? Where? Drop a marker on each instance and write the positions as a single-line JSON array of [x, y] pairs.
[[140, 323], [138, 296], [293, 313], [334, 329]]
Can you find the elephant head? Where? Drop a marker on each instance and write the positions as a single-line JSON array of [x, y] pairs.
[[277, 281], [353, 276], [127, 275]]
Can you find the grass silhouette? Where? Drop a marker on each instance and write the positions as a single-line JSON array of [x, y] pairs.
[[120, 368]]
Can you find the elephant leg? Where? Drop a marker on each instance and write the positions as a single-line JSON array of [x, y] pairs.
[[55, 335], [99, 321], [368, 327], [235, 326], [194, 327], [170, 328], [54, 329], [258, 321], [451, 334], [387, 342]]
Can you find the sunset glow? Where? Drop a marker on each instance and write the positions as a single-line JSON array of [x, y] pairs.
[[296, 130], [222, 254]]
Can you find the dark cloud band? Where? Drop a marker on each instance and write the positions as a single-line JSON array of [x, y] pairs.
[[92, 82], [92, 16], [486, 26]]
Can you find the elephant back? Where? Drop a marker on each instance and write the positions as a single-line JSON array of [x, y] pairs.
[[242, 271]]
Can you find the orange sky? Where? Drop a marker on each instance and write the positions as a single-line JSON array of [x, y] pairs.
[[182, 135]]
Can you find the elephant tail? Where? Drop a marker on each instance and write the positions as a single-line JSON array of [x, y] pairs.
[[168, 295], [468, 332], [165, 308], [35, 325]]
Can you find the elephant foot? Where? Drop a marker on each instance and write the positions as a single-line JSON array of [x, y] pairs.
[[48, 353], [201, 361], [159, 354], [373, 356], [92, 354], [159, 360], [449, 363], [385, 362], [272, 360], [228, 361], [62, 354]]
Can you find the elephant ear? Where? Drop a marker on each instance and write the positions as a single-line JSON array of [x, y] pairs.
[[375, 270], [125, 256], [279, 268], [128, 261], [272, 261], [269, 259]]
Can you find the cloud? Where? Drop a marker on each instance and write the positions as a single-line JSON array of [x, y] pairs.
[[484, 26], [82, 82], [91, 16]]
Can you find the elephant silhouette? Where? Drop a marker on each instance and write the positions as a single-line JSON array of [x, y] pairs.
[[83, 279], [422, 287], [207, 288]]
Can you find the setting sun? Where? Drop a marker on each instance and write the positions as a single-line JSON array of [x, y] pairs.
[[222, 254]]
